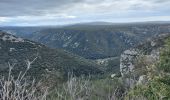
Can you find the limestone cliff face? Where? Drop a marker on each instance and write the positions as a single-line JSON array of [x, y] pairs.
[[149, 51], [127, 59]]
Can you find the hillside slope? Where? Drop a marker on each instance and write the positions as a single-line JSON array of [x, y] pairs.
[[145, 70], [49, 61], [98, 41]]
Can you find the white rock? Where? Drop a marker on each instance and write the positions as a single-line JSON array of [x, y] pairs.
[[12, 38], [11, 49], [142, 80], [113, 75]]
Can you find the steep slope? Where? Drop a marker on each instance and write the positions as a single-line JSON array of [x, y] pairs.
[[49, 62], [98, 41], [150, 50], [145, 70]]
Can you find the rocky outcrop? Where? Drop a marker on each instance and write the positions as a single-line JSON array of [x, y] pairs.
[[142, 80], [127, 59], [8, 37], [149, 51]]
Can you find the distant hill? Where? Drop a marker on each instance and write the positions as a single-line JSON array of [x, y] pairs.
[[96, 23], [24, 31], [93, 40], [54, 63], [98, 41]]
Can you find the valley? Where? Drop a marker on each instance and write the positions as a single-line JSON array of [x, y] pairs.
[[116, 58], [49, 62], [94, 41], [84, 50]]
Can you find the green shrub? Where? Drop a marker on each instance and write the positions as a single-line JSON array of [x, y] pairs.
[[158, 87], [165, 57]]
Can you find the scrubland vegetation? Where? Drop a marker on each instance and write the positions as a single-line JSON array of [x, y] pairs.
[[152, 82], [158, 84]]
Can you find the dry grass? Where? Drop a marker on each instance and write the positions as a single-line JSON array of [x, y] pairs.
[[20, 88]]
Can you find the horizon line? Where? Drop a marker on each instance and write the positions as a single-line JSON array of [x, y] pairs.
[[90, 22]]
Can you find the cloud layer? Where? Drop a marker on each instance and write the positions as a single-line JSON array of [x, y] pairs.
[[54, 12]]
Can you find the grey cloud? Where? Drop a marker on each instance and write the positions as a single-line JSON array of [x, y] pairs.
[[68, 11], [10, 8], [32, 7], [160, 1]]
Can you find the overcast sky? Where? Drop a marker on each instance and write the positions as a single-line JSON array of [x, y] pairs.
[[59, 12]]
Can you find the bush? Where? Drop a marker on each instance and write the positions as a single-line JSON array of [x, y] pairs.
[[165, 57], [87, 89], [158, 87], [21, 88]]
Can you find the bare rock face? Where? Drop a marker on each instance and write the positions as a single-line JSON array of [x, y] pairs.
[[132, 71], [128, 66], [127, 61], [142, 80], [11, 38]]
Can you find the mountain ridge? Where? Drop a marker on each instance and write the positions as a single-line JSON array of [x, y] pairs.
[[16, 50], [98, 41]]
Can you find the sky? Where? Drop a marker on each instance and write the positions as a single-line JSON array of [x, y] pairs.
[[63, 12]]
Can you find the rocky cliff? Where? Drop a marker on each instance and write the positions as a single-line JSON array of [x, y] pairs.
[[135, 62]]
